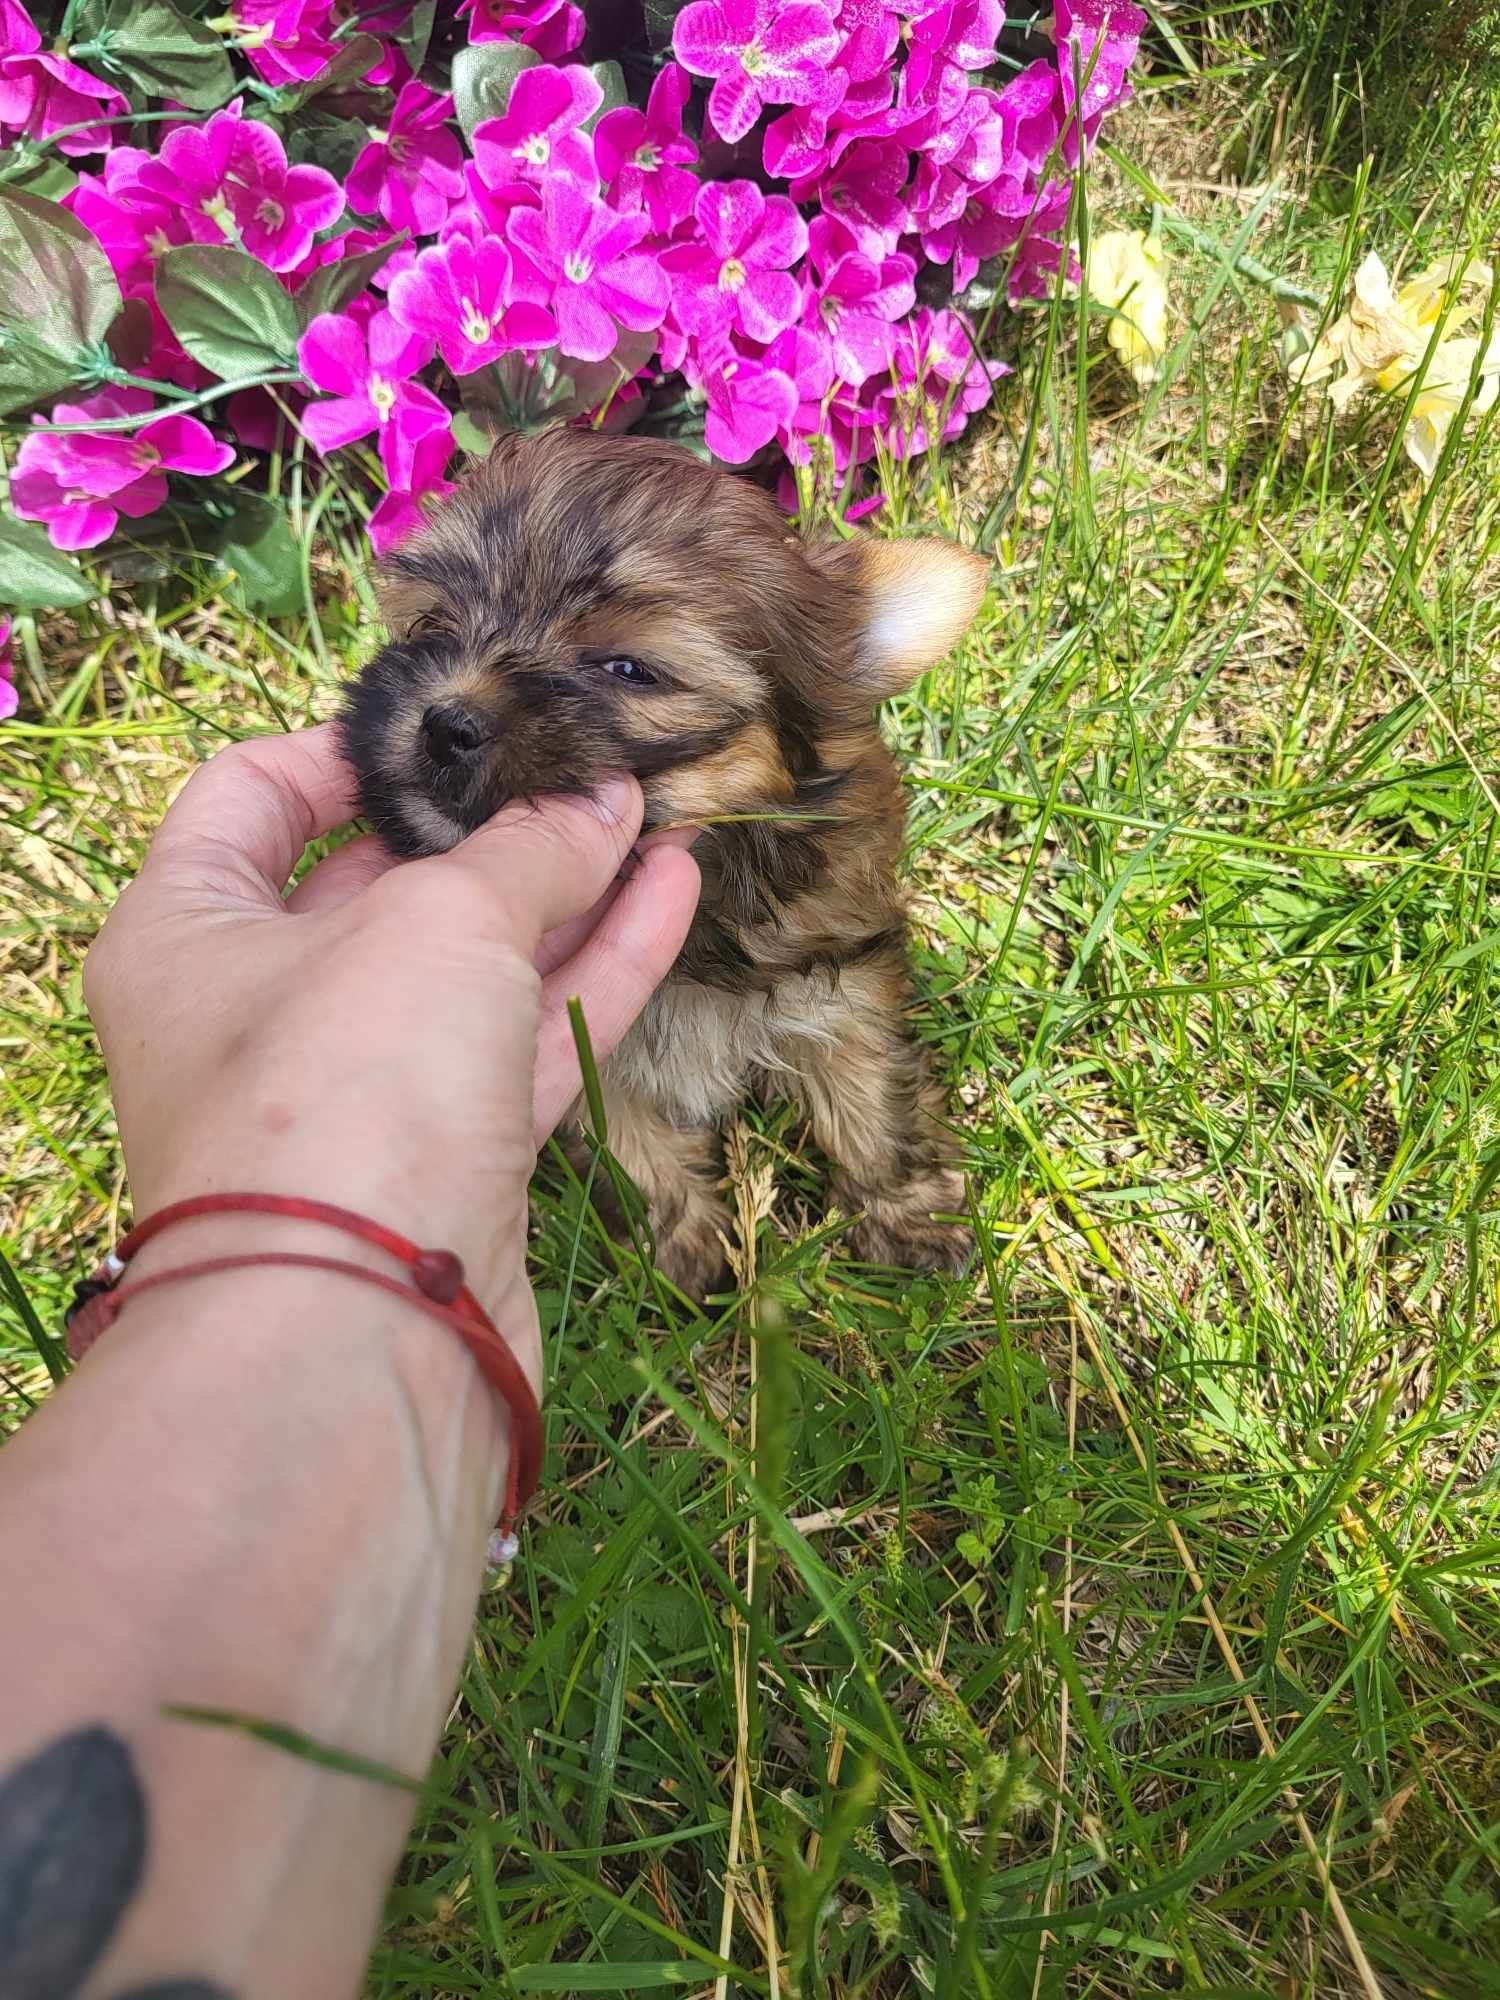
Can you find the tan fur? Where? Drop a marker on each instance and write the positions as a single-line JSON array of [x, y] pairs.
[[769, 655]]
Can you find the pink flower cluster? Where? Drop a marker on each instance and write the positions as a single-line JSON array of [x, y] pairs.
[[889, 133]]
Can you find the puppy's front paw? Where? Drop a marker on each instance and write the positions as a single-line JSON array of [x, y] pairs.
[[904, 1231], [691, 1252]]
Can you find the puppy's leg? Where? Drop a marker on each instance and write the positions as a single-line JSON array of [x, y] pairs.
[[876, 1110], [675, 1168]]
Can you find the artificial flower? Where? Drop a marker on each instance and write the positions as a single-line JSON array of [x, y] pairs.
[[413, 168], [80, 482], [368, 372], [459, 294], [758, 52], [1127, 274], [735, 276], [587, 253]]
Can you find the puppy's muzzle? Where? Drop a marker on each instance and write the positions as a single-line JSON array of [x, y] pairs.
[[454, 735]]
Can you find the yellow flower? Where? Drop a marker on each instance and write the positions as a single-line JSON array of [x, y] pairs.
[[1127, 272], [1442, 391], [1385, 332]]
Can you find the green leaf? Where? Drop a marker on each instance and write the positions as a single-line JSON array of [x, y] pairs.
[[470, 437], [43, 174], [166, 54], [318, 139], [57, 298], [132, 335], [34, 576], [611, 80], [259, 549], [354, 57], [483, 77], [226, 309], [332, 287], [661, 19], [413, 37], [31, 373]]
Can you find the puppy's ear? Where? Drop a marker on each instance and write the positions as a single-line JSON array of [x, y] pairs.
[[915, 601]]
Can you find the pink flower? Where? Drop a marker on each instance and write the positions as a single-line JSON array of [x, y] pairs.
[[410, 172], [459, 294], [133, 224], [990, 220], [229, 179], [287, 41], [80, 482], [583, 249], [42, 92], [401, 512], [186, 177], [803, 144], [1028, 107], [9, 699], [864, 192], [1101, 36], [804, 355], [278, 209], [939, 375], [758, 52], [487, 211], [538, 135], [856, 299], [949, 36], [640, 154], [748, 404], [871, 31], [554, 28], [368, 372], [964, 158], [391, 69], [736, 275], [255, 418]]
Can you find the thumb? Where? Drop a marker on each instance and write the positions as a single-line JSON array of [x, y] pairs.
[[548, 863]]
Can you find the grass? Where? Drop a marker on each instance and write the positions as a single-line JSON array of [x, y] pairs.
[[1123, 1620]]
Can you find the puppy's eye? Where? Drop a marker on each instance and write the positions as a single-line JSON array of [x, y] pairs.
[[630, 671]]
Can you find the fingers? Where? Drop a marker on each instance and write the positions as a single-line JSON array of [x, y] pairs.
[[613, 974], [240, 823], [341, 876], [558, 946], [550, 863]]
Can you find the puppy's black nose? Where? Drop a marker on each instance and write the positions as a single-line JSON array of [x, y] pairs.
[[451, 733]]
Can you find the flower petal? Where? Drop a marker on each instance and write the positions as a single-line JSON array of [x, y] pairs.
[[182, 444], [331, 354], [330, 426]]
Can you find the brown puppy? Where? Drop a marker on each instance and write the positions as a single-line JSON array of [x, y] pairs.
[[586, 604]]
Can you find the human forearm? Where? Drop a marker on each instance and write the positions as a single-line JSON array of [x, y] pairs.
[[265, 1492]]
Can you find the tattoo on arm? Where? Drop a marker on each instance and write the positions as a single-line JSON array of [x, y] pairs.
[[73, 1830]]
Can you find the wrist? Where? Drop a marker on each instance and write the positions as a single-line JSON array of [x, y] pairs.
[[502, 1289], [340, 1397]]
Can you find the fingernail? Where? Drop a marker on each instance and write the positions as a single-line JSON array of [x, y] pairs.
[[672, 836], [616, 799]]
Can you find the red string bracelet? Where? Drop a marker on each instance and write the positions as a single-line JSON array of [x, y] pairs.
[[437, 1286]]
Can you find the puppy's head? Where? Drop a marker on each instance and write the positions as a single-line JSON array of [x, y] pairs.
[[585, 605]]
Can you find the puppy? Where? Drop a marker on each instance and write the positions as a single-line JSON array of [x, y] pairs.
[[587, 604]]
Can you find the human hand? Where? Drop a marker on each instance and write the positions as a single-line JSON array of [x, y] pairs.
[[392, 1037]]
